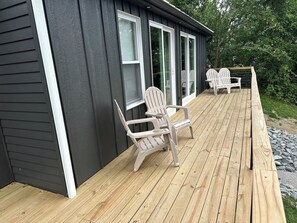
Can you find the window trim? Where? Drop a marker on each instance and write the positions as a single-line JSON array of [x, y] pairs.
[[139, 51], [189, 96]]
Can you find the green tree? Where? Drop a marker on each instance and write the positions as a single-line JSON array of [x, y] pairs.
[[262, 33]]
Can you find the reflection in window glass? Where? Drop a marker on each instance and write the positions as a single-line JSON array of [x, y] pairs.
[[128, 42], [188, 69], [167, 69], [157, 57], [184, 76], [132, 82], [192, 83]]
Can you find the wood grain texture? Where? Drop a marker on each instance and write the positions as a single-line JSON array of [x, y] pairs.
[[262, 153], [267, 200]]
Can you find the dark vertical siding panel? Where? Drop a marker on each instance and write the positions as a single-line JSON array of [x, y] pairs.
[[134, 10], [70, 60], [99, 75], [136, 115], [109, 14], [203, 63], [119, 5], [198, 63], [126, 6], [157, 18], [170, 24], [146, 47]]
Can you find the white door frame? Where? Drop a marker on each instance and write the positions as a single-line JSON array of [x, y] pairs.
[[189, 96], [162, 27]]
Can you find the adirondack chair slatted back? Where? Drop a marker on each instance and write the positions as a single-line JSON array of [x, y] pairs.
[[224, 76], [211, 74], [155, 102], [123, 121]]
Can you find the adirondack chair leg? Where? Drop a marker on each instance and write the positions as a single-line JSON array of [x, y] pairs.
[[139, 161], [133, 151], [174, 152], [174, 136], [229, 90], [215, 91], [191, 129]]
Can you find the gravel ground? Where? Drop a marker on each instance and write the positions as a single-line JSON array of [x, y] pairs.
[[284, 147]]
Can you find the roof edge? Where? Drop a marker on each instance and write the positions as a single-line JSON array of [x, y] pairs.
[[200, 25]]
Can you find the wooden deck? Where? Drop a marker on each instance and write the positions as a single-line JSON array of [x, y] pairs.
[[214, 182]]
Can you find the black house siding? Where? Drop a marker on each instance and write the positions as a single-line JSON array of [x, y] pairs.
[[86, 51], [26, 119]]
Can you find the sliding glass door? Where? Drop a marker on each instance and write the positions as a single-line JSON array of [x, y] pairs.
[[162, 55], [188, 67]]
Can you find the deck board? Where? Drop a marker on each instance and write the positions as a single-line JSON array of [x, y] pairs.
[[213, 183]]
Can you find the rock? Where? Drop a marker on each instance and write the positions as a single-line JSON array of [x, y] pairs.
[[284, 148], [278, 157], [290, 169], [281, 168], [286, 154], [277, 152], [294, 195], [289, 151]]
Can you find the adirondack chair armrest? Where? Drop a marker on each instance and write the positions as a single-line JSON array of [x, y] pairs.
[[154, 132], [237, 78], [144, 120], [185, 109], [156, 115]]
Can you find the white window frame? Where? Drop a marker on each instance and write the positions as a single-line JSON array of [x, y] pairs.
[[189, 96], [171, 111], [139, 52]]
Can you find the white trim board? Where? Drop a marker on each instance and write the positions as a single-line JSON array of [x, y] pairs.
[[50, 74]]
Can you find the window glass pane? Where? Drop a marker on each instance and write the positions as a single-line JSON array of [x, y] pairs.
[[167, 63], [127, 31], [192, 83], [183, 52], [132, 81], [157, 57], [184, 76]]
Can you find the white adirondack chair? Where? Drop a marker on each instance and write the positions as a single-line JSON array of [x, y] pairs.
[[148, 142], [156, 105], [211, 74], [224, 75], [215, 82]]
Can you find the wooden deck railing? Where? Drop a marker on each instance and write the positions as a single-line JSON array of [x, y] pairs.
[[267, 205]]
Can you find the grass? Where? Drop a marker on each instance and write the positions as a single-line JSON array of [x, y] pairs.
[[278, 109], [290, 209]]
